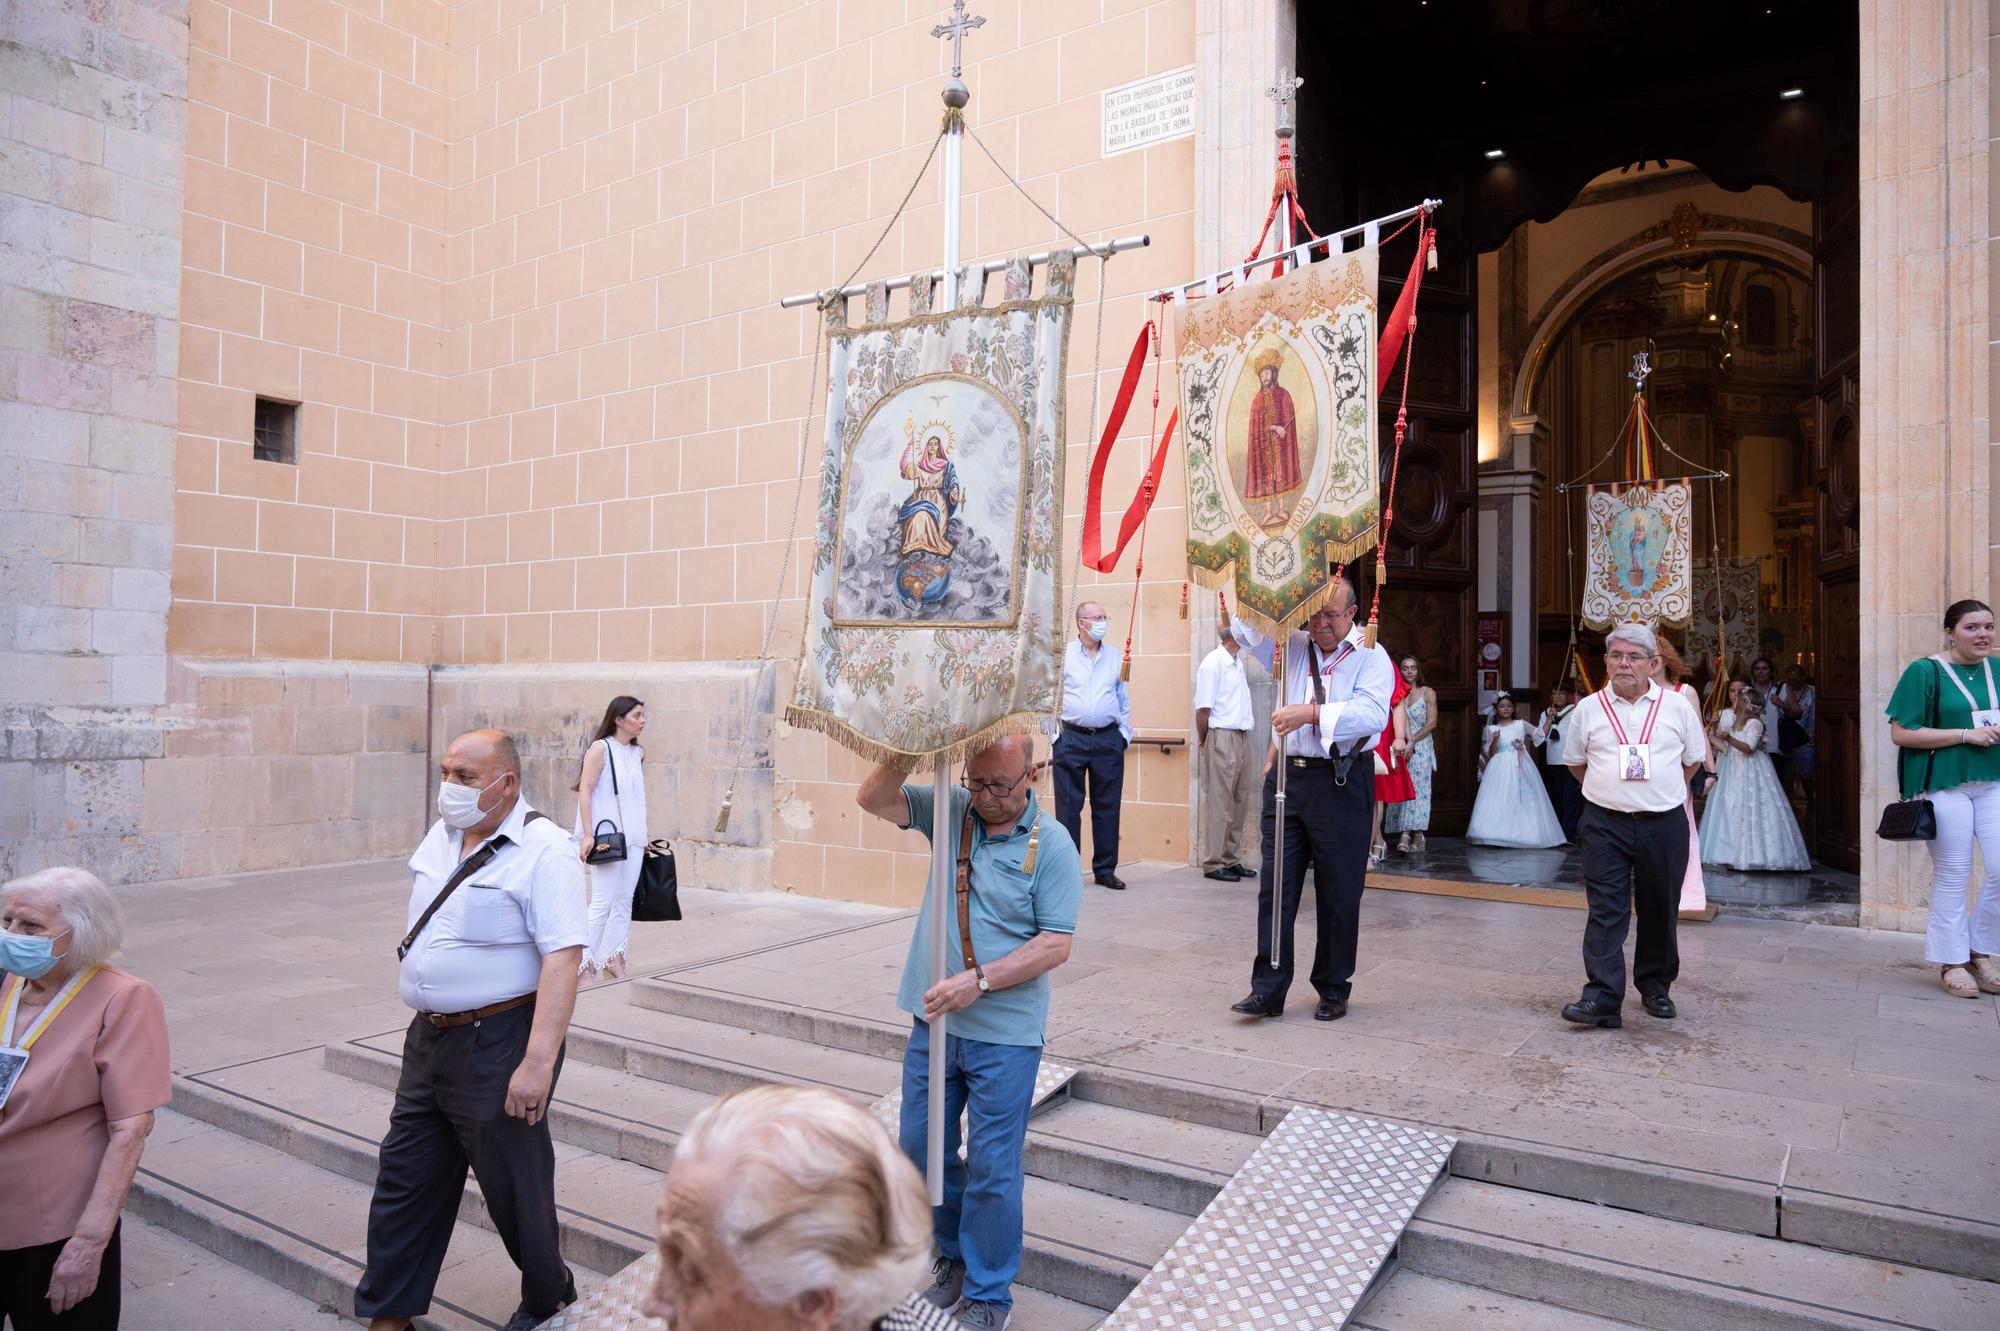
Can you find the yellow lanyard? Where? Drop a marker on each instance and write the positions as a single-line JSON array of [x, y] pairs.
[[49, 1014]]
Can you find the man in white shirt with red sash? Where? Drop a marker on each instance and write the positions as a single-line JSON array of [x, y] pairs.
[[1632, 747], [1336, 693]]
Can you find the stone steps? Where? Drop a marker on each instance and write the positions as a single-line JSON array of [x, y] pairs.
[[1413, 1302], [1601, 1262], [1934, 1219]]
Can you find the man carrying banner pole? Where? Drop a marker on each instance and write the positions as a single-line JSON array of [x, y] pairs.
[[1336, 692]]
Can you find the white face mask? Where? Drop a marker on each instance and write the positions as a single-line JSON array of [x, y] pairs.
[[459, 805], [1098, 628]]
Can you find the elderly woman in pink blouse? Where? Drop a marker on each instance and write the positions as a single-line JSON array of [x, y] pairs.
[[83, 1065]]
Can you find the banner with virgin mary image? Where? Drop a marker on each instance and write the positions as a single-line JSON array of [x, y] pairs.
[[1278, 387], [933, 619], [1638, 554]]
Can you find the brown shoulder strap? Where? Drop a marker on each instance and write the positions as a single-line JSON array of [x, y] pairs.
[[965, 890]]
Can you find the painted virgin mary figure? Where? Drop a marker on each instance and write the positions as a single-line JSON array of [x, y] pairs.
[[935, 495], [1272, 455]]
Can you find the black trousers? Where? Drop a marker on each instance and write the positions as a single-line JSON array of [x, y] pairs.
[[1327, 825], [1565, 794], [450, 1114], [1632, 862], [1099, 758], [24, 1290]]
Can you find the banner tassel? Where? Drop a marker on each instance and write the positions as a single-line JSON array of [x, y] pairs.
[[1184, 600], [722, 818], [1034, 847]]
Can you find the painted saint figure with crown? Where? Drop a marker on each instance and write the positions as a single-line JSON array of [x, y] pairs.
[[1272, 448]]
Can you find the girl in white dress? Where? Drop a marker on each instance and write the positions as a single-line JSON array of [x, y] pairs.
[[1513, 806], [614, 748], [1747, 822]]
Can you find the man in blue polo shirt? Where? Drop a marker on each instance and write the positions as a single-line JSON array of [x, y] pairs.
[[1026, 884]]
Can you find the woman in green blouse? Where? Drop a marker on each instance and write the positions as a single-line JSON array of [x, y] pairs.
[[1945, 717]]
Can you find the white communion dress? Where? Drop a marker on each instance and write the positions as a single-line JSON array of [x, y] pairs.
[[1747, 822], [1513, 806], [611, 885]]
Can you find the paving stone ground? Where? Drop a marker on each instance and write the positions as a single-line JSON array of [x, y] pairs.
[[1797, 1045]]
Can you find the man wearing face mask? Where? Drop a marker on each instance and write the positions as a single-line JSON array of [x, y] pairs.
[[495, 928], [1096, 727]]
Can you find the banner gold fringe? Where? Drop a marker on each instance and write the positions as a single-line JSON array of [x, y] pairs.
[[1344, 552], [868, 750]]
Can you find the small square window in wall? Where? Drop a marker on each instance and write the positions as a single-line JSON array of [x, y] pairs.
[[277, 437]]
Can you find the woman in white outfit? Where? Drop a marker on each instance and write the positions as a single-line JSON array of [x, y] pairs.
[[1513, 806], [1670, 671], [612, 786], [1747, 822]]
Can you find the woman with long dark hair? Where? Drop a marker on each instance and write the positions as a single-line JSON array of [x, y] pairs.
[[1945, 718], [612, 785]]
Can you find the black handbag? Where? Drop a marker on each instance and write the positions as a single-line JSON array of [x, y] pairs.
[[608, 847], [1915, 819], [657, 895]]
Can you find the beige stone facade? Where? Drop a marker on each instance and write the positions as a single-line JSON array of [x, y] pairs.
[[519, 261]]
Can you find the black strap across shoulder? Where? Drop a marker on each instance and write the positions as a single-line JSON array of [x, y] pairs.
[[1343, 763], [469, 866]]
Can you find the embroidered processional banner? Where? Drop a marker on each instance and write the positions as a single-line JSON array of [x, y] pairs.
[[1278, 386], [1638, 556], [1728, 594], [933, 617]]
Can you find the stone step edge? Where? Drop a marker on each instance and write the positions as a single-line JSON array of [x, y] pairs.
[[269, 1252], [589, 1241], [1066, 1270], [1628, 1290], [1671, 1192]]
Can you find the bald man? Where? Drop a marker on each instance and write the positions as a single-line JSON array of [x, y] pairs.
[[1024, 887], [495, 929]]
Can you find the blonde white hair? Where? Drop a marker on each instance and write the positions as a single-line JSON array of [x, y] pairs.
[[1636, 634], [88, 910], [819, 1198]]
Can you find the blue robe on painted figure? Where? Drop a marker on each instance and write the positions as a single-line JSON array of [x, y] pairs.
[[923, 571]]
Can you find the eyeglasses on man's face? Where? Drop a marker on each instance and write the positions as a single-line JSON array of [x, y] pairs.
[[1628, 658], [993, 790]]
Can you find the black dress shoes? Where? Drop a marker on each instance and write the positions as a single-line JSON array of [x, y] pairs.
[[1239, 871], [1589, 1014], [1256, 1006], [1220, 875], [1659, 1005], [1112, 881], [1330, 1009]]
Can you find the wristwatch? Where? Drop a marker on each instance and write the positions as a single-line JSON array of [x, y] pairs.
[[985, 985]]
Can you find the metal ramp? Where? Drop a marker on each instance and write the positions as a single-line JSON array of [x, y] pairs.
[[1052, 1081], [1299, 1236]]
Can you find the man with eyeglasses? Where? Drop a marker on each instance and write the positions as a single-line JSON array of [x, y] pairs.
[[1019, 887], [1632, 747]]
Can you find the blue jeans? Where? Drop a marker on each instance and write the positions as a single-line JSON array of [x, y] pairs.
[[994, 1086]]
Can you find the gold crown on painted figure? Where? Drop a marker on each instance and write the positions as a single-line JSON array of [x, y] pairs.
[[1269, 359]]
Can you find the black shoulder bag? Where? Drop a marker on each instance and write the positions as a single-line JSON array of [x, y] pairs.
[[467, 867], [1915, 819], [657, 894], [609, 847]]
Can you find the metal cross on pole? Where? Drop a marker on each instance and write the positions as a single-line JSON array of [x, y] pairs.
[[1285, 94], [944, 877], [956, 29], [1641, 370]]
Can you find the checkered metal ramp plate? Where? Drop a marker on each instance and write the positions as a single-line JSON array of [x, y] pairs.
[[1051, 1080], [614, 1305], [1296, 1238]]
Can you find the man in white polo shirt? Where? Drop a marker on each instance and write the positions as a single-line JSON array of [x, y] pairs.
[[1632, 746], [495, 929], [1229, 770]]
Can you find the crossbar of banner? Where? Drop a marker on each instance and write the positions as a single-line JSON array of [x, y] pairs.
[[1301, 254], [1103, 247], [1567, 486]]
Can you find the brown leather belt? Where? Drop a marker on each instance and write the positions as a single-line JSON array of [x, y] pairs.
[[444, 1021]]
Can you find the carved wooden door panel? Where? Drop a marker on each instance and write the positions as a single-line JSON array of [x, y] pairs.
[[1836, 832], [1428, 601]]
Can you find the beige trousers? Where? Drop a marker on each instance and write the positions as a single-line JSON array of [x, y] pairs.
[[1229, 789]]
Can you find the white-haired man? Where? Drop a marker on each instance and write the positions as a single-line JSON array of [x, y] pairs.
[[1337, 693], [1019, 887], [1089, 754], [789, 1209], [495, 929], [1632, 747]]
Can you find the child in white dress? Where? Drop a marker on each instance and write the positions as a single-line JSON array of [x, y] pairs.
[[1747, 822], [1513, 807]]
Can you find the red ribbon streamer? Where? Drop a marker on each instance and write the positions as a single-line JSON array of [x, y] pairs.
[[1149, 486], [1390, 344]]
